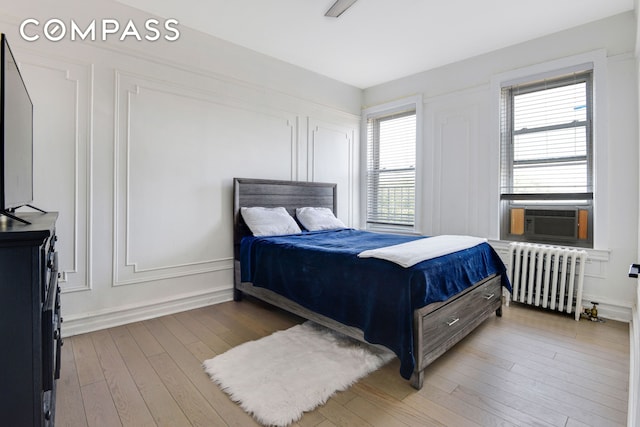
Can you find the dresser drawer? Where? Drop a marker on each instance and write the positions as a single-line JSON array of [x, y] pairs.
[[454, 318]]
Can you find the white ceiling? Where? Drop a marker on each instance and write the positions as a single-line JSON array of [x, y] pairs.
[[379, 40]]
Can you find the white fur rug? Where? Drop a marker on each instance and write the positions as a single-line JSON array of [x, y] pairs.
[[278, 378]]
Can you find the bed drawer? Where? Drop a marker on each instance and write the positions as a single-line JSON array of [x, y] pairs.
[[444, 327]]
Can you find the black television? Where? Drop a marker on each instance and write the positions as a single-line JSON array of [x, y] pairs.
[[16, 136]]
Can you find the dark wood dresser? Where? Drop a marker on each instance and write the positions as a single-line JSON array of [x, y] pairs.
[[29, 320]]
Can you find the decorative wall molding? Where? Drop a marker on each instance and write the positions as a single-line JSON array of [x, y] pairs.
[[249, 88], [75, 223], [454, 142], [134, 90], [335, 146], [134, 50]]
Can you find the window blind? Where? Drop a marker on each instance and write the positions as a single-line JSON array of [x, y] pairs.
[[546, 133], [391, 169]]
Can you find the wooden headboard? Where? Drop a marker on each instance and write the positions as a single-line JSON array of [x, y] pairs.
[[268, 193]]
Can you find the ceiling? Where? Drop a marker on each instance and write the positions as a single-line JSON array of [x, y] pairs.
[[376, 41]]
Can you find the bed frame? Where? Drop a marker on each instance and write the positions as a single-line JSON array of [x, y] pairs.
[[437, 326]]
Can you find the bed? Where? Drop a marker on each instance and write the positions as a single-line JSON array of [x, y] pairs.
[[368, 299]]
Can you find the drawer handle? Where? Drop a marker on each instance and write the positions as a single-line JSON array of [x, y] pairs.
[[453, 321], [488, 297]]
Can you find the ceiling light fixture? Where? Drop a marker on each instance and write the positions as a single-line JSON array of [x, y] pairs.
[[339, 7]]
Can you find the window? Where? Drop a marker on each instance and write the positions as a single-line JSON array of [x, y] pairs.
[[391, 168], [547, 159]]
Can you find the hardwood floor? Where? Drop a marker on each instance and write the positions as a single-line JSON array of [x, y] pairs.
[[527, 368]]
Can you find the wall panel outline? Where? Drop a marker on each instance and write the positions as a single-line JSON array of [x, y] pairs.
[[440, 112], [126, 269], [461, 123], [79, 275], [343, 133]]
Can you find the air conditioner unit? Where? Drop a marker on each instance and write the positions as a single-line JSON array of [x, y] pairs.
[[559, 225]]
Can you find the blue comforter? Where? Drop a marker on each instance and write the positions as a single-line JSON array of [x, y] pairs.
[[321, 271]]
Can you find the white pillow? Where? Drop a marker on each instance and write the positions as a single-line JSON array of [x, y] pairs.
[[318, 219], [269, 221]]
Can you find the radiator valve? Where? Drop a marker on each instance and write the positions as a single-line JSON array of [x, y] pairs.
[[592, 313]]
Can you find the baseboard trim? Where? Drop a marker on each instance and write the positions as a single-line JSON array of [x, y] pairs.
[[608, 310], [605, 310], [89, 322]]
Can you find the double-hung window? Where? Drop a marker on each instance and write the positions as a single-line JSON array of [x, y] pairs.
[[547, 160], [391, 168]]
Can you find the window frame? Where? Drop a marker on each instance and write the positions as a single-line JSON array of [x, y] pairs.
[[413, 103], [597, 61], [509, 133]]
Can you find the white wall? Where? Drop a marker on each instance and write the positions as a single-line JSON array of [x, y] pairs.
[[633, 416], [137, 143], [461, 151]]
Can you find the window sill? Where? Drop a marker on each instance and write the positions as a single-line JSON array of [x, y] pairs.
[[391, 229]]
